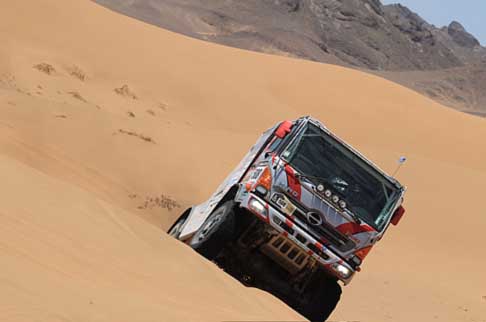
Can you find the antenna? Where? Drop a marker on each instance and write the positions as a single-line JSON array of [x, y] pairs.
[[401, 161]]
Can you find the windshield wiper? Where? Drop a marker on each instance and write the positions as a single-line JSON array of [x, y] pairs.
[[320, 179]]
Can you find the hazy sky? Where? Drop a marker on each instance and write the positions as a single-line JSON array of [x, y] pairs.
[[470, 13]]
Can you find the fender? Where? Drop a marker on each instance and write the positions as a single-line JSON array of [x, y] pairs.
[[200, 212]]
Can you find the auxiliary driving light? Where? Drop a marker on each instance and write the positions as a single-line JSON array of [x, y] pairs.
[[342, 270], [342, 204], [328, 193], [335, 199], [320, 187], [261, 190]]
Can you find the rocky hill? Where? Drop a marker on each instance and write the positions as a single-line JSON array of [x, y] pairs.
[[447, 64]]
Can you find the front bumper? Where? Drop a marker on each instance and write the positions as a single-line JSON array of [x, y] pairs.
[[278, 221]]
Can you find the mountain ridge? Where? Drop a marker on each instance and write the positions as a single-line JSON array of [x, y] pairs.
[[362, 34]]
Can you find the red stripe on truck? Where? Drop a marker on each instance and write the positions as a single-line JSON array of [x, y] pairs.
[[293, 182], [289, 223], [352, 228]]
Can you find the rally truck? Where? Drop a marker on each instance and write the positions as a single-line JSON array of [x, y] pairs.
[[297, 216]]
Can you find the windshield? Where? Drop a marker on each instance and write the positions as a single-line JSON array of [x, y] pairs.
[[367, 193]]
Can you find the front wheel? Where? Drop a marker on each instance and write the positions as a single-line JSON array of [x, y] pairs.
[[215, 232], [322, 300]]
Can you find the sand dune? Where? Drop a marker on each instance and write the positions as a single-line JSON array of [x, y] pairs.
[[110, 127]]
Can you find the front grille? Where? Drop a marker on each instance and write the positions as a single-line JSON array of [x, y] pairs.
[[285, 227], [335, 238], [319, 252]]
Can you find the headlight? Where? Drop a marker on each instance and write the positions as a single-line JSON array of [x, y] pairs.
[[258, 207], [342, 270]]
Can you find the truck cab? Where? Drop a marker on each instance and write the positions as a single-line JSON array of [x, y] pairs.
[[298, 215]]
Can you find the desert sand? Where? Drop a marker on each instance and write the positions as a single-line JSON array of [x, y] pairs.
[[110, 127]]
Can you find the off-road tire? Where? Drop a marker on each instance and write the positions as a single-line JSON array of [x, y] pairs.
[[217, 230], [322, 301], [176, 228]]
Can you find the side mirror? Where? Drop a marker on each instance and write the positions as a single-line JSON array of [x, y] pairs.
[[397, 216]]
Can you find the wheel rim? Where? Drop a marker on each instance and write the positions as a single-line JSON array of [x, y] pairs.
[[174, 232], [208, 227]]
